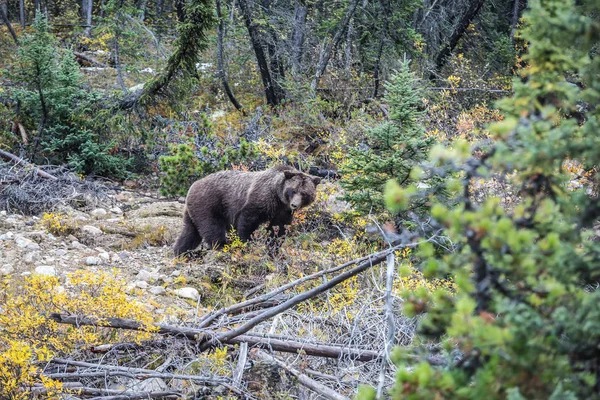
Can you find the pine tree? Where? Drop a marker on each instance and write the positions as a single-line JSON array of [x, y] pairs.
[[392, 148]]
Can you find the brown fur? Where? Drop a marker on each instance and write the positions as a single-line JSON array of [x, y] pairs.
[[244, 200]]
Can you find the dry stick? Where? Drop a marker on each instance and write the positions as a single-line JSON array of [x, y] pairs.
[[108, 394], [303, 297], [18, 160], [303, 379], [239, 369], [200, 335], [389, 314], [205, 321]]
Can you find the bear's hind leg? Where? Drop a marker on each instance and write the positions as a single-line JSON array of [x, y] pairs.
[[189, 238], [214, 233]]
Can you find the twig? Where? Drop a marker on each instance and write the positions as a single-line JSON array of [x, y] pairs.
[[302, 378]]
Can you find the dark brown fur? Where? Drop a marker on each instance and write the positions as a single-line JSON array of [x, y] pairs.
[[244, 200]]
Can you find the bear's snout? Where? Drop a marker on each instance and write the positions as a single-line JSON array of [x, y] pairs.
[[296, 202]]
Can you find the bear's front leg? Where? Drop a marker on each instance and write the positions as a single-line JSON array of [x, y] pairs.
[[247, 223]]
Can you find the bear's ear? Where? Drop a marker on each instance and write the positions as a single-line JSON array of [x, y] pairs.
[[316, 180], [290, 174]]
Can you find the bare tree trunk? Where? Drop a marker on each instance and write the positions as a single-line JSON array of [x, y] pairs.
[[458, 33], [3, 14], [86, 7], [261, 58], [141, 5], [298, 34], [220, 59], [515, 21], [348, 50], [22, 13], [334, 43], [275, 62], [36, 7], [179, 7]]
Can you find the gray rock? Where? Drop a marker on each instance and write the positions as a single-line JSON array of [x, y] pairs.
[[123, 255], [105, 256], [79, 246], [144, 275], [157, 290], [168, 209], [47, 270], [176, 273], [116, 210], [25, 243], [7, 236], [187, 293], [92, 230], [99, 213], [6, 269], [31, 257], [60, 252], [141, 284], [91, 260]]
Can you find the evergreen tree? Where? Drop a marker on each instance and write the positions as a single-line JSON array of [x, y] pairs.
[[392, 148], [525, 321]]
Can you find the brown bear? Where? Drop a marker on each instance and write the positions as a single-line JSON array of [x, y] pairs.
[[243, 200]]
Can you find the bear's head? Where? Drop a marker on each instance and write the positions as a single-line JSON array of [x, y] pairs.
[[299, 189]]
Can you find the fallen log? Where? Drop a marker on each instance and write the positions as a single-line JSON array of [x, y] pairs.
[[89, 59], [203, 336], [18, 160]]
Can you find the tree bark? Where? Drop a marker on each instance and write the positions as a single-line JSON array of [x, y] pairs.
[[22, 13], [334, 43], [4, 16], [275, 62], [515, 21], [87, 7], [261, 58], [220, 59], [298, 34], [458, 33]]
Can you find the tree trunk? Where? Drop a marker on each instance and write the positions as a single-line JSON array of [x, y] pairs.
[[36, 7], [348, 50], [220, 59], [275, 62], [298, 34], [334, 43], [22, 13], [4, 16], [261, 58], [382, 35], [86, 7], [515, 21], [458, 33], [141, 6], [180, 9]]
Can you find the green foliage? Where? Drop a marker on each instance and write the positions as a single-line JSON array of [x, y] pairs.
[[186, 165], [393, 147], [54, 97], [525, 315]]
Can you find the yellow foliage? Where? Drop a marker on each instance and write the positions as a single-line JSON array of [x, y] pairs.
[[58, 224], [29, 336]]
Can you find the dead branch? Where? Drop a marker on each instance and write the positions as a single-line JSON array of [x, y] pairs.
[[89, 59], [18, 160], [302, 378], [208, 319], [203, 336], [239, 369], [108, 394], [370, 262]]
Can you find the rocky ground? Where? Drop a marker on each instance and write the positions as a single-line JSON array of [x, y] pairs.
[[132, 235]]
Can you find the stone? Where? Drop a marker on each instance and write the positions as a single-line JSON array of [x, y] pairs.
[[176, 273], [141, 284], [6, 269], [79, 246], [105, 256], [31, 257], [91, 260], [123, 255], [187, 293], [167, 209], [92, 230], [47, 270], [98, 213], [144, 275], [60, 252], [157, 290], [7, 236], [25, 243], [116, 210]]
